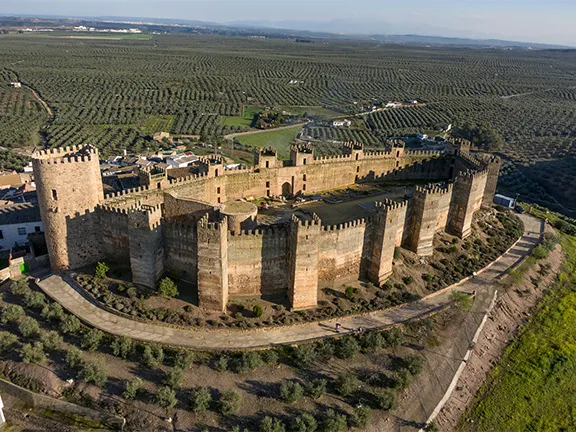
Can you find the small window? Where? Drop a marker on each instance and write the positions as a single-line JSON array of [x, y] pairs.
[[267, 184], [357, 169], [216, 173], [268, 192], [37, 229], [304, 177], [219, 200], [357, 156], [22, 231], [218, 189], [159, 185], [304, 188], [267, 164], [1, 235], [398, 153], [54, 194], [304, 161]]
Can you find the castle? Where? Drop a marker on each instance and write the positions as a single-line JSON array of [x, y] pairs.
[[196, 229]]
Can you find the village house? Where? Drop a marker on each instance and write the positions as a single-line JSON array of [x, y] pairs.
[[16, 222]]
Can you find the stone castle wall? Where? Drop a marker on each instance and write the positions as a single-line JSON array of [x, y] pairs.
[[175, 227]]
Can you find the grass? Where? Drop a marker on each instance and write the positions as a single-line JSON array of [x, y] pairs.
[[245, 120], [280, 139], [532, 387], [158, 123]]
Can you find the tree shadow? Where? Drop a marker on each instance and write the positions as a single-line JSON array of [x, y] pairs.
[[261, 389]]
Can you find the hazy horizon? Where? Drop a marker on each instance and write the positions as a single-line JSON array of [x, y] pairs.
[[537, 21]]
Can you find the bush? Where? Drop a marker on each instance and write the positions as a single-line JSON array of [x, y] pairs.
[[350, 291], [28, 327], [183, 359], [291, 391], [373, 341], [384, 399], [304, 356], [11, 313], [52, 311], [550, 241], [32, 353], [122, 347], [407, 280], [20, 287], [34, 300], [94, 371], [91, 339], [174, 378], [132, 292], [269, 424], [393, 338], [166, 398], [461, 301], [270, 357], [51, 340], [304, 423], [248, 361], [402, 379], [316, 388], [70, 324], [168, 288], [257, 311], [539, 252], [431, 427], [200, 400], [361, 416], [132, 388], [348, 347], [414, 364], [101, 270], [334, 422], [565, 227], [221, 363], [152, 356], [73, 357], [230, 402], [7, 339], [346, 384]]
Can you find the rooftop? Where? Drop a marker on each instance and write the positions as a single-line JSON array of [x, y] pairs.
[[19, 213]]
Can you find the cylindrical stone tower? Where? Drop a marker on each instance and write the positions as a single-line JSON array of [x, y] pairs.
[[69, 187], [241, 215]]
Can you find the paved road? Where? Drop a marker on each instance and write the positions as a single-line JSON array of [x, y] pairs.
[[59, 290]]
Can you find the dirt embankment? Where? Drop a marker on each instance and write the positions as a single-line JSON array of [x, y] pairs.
[[515, 306]]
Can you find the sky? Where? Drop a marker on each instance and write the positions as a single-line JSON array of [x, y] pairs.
[[543, 21]]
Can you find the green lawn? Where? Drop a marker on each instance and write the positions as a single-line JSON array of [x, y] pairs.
[[244, 120], [533, 387], [280, 139]]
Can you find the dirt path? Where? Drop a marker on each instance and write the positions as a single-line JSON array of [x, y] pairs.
[[234, 135], [42, 101], [87, 310]]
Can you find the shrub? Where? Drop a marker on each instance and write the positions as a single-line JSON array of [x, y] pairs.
[[70, 324], [11, 313], [32, 353], [28, 327], [414, 364], [52, 311], [132, 292], [257, 311], [304, 356], [166, 398], [431, 427], [270, 357], [539, 252], [101, 270], [461, 301], [132, 387], [348, 347], [549, 241], [152, 356], [34, 300], [346, 384], [316, 388], [373, 341], [183, 359], [350, 291], [565, 227], [221, 363], [304, 423], [407, 280], [174, 378], [20, 287], [7, 339], [200, 400], [94, 371], [384, 399], [51, 340], [291, 391], [248, 361], [91, 339], [361, 416], [122, 347], [334, 422], [230, 402], [269, 424], [393, 338], [73, 357], [168, 288], [402, 379]]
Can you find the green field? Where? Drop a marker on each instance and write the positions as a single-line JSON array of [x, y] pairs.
[[245, 120], [533, 388], [280, 139], [158, 123]]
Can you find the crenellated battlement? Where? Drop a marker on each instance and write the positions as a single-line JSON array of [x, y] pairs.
[[350, 224], [387, 205], [435, 189], [306, 223], [204, 223], [66, 152], [423, 153], [302, 148], [471, 174]]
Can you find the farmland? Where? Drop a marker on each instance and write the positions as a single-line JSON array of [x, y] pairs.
[[117, 93]]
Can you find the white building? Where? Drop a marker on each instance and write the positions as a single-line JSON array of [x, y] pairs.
[[181, 161], [16, 222], [16, 84], [340, 123]]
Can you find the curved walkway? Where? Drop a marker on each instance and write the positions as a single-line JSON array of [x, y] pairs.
[[58, 289]]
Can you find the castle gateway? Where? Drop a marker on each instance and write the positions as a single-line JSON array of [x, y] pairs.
[[197, 229]]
